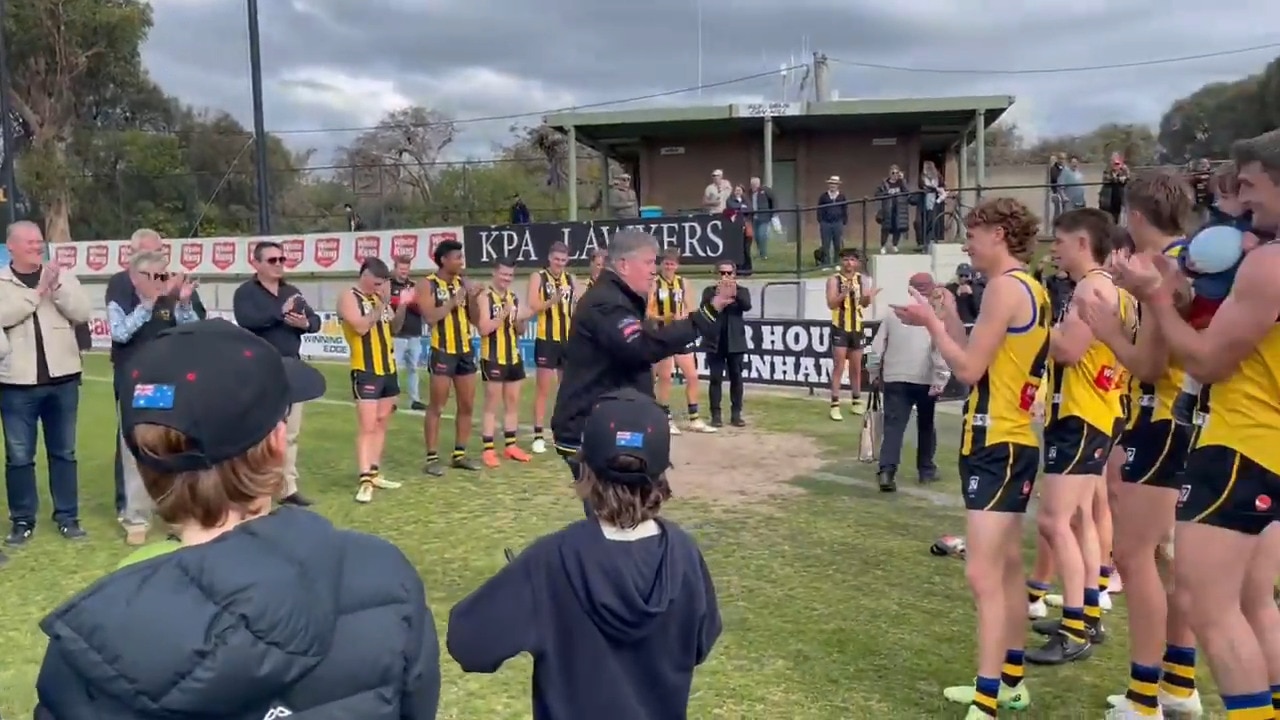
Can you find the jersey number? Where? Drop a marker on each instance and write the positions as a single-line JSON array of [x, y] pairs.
[[1183, 493]]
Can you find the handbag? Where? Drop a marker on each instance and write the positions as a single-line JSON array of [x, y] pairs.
[[872, 430]]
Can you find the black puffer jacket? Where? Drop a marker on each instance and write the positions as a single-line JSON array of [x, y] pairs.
[[283, 612]]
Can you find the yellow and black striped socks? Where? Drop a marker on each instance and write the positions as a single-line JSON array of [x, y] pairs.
[[1255, 706], [1014, 669], [1178, 676], [835, 401], [1275, 697], [1036, 591], [986, 692], [1073, 624], [1144, 681], [487, 441], [508, 438], [693, 411], [1092, 610], [433, 456], [459, 452], [1104, 578], [537, 432]]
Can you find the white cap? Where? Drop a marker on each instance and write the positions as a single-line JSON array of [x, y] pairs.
[[717, 173]]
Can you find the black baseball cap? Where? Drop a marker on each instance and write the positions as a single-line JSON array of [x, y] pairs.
[[964, 270], [220, 385], [627, 422]]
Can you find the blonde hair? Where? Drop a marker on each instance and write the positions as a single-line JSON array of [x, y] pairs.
[[207, 497]]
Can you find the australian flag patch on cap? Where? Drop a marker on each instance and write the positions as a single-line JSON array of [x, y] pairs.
[[629, 440], [153, 397]]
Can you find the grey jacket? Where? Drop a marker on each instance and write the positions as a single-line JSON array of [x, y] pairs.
[[903, 353]]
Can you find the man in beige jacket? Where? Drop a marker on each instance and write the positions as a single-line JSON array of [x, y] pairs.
[[39, 381]]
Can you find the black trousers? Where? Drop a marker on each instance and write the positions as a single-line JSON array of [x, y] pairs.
[[899, 399], [574, 465], [119, 464], [720, 365]]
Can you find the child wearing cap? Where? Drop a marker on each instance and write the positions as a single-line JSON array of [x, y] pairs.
[[616, 610], [253, 613]]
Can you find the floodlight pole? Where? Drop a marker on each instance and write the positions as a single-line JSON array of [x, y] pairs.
[[259, 124]]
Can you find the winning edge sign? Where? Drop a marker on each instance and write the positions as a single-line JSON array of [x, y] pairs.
[[789, 353], [701, 239]]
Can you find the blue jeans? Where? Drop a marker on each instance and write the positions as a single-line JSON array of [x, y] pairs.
[[761, 230], [408, 357], [53, 409], [832, 235]]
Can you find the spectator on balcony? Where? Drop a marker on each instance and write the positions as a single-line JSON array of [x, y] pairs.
[[894, 212], [833, 216], [1114, 180], [1072, 183], [932, 202], [737, 210], [519, 211], [1057, 198], [716, 193], [762, 207]]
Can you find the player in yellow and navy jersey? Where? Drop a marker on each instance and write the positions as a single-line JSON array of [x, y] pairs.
[[1003, 360], [446, 301], [369, 326], [1162, 652], [671, 299], [500, 319], [551, 296], [1229, 499], [848, 295], [598, 258], [1081, 415]]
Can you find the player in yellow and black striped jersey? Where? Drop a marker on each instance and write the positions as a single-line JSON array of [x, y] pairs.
[[1004, 360], [1162, 655], [551, 296], [848, 295], [369, 326], [446, 301], [500, 318], [671, 299], [598, 258]]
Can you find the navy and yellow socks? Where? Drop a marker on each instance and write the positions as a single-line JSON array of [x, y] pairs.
[[1178, 677], [1144, 683]]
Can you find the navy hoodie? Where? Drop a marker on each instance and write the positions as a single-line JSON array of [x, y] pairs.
[[615, 627]]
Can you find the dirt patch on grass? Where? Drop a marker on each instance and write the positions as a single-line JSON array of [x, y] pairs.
[[735, 467]]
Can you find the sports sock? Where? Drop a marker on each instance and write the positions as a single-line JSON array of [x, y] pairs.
[[1073, 624], [1143, 682], [432, 456], [537, 432], [1254, 706], [835, 401], [488, 442], [1013, 670], [1092, 611], [1178, 678], [693, 411], [1275, 696], [985, 694], [459, 452], [508, 437], [1104, 578], [1036, 591]]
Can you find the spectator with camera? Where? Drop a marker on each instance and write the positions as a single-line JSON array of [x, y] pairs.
[[966, 292], [894, 212], [1059, 285], [39, 382]]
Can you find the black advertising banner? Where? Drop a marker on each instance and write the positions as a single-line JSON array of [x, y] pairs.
[[797, 353], [701, 239]]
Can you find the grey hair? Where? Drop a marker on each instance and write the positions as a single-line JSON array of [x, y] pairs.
[[626, 243], [143, 234], [147, 258], [21, 226], [1264, 149]]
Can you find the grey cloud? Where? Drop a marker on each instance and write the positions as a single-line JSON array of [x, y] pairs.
[[590, 51]]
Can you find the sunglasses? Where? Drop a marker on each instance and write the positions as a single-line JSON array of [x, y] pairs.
[[161, 276], [278, 259], [726, 273]]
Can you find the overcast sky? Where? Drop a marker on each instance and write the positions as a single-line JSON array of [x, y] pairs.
[[343, 63]]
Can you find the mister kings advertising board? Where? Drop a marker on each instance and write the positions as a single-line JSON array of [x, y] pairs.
[[701, 239]]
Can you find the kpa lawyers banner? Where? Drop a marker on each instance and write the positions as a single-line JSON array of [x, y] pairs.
[[701, 239]]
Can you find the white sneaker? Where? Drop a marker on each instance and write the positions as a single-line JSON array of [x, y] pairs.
[[697, 425], [1104, 601], [365, 493], [1122, 709], [835, 414], [675, 429], [884, 249], [538, 446], [1053, 600], [1188, 706], [1037, 610]]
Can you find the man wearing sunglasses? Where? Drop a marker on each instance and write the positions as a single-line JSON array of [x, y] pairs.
[[275, 311], [726, 346]]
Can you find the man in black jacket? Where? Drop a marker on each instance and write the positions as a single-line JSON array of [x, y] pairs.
[[253, 614], [833, 215], [965, 290], [726, 347], [610, 345], [275, 311]]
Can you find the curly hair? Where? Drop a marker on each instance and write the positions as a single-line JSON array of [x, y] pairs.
[[1163, 199], [620, 505], [1020, 225]]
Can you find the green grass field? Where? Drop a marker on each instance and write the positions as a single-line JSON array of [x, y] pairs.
[[833, 608]]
